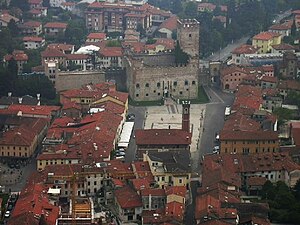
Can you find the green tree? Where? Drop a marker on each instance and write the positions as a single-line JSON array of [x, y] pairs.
[[181, 58], [293, 28], [113, 43], [13, 28], [191, 10], [141, 30], [268, 191], [297, 190], [23, 5]]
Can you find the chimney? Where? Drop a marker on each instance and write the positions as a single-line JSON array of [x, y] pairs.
[[20, 100], [186, 116], [9, 94]]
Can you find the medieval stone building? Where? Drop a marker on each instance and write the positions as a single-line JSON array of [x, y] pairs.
[[148, 81]]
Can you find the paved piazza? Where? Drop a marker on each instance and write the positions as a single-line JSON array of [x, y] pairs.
[[169, 117]]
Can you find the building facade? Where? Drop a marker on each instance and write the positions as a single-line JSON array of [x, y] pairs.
[[188, 35]]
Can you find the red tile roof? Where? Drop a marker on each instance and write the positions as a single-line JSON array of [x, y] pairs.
[[17, 55], [266, 36], [100, 36], [33, 39], [289, 85], [140, 183], [248, 135], [162, 137], [176, 190], [176, 210], [61, 47], [284, 26], [48, 53], [32, 24], [245, 49], [33, 200], [168, 43], [170, 23], [153, 192], [239, 122], [111, 52], [18, 137], [248, 97], [283, 46], [295, 132], [7, 17], [269, 79], [127, 198], [76, 56], [34, 109], [238, 163], [256, 181], [56, 25]]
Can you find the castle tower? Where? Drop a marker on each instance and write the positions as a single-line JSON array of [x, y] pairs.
[[188, 35], [186, 116]]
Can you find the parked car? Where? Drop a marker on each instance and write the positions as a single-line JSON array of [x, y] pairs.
[[130, 117], [120, 154], [7, 214]]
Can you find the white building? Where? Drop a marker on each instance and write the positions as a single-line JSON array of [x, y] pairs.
[[33, 42]]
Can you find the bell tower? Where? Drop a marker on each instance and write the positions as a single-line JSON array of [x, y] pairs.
[[186, 116]]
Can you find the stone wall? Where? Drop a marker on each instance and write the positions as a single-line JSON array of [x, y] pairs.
[[146, 83], [188, 35], [75, 79]]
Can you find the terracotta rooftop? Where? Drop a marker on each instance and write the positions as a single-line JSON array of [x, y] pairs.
[[176, 210], [284, 26], [163, 137], [283, 46], [52, 53], [60, 47], [100, 36], [111, 52], [170, 23], [245, 49], [7, 17], [33, 39], [56, 25], [32, 24], [266, 36], [76, 56], [256, 181], [248, 135], [239, 163], [127, 198], [33, 202], [153, 192]]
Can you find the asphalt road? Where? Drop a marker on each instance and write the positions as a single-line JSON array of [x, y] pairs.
[[213, 122], [139, 113], [226, 52], [281, 16]]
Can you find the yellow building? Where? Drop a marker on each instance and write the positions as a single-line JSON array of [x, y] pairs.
[[265, 40], [170, 168], [248, 142], [18, 143]]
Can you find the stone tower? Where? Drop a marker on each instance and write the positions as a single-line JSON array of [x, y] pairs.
[[186, 116], [188, 34]]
